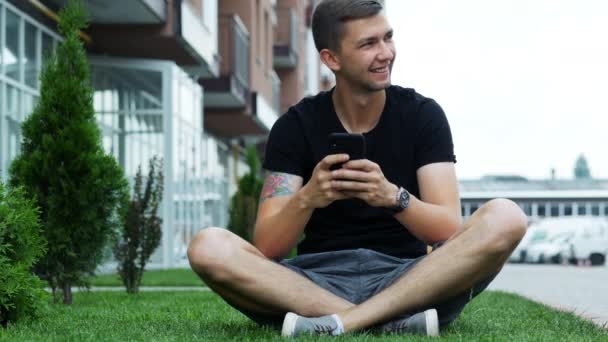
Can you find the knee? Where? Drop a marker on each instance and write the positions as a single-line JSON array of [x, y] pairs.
[[209, 252], [505, 225]]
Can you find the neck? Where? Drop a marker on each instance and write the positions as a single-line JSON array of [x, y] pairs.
[[359, 112]]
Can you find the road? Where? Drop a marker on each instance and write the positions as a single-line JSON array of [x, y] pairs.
[[582, 290]]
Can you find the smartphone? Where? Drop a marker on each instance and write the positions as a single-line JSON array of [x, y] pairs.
[[349, 143]]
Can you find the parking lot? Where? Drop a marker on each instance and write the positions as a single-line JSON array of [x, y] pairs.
[[583, 290]]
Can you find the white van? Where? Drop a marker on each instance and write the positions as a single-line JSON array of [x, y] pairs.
[[590, 242], [560, 239]]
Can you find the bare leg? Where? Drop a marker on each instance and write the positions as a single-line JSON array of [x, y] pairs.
[[478, 251], [242, 275]]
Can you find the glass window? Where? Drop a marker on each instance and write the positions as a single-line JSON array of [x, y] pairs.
[[1, 54], [48, 45], [582, 209], [542, 209], [11, 50], [30, 63], [474, 207], [554, 209], [595, 209], [568, 209], [12, 103], [29, 102]]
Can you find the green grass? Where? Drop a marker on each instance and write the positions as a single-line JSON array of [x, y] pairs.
[[172, 277], [190, 316]]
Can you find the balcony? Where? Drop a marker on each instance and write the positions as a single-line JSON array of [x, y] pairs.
[[123, 12], [231, 89], [285, 47]]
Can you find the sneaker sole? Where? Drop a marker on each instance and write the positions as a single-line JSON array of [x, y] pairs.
[[432, 322], [289, 324]]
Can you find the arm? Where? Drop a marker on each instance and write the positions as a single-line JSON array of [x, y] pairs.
[[286, 206], [432, 218], [282, 215], [436, 215]]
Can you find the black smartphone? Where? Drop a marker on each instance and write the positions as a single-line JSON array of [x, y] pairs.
[[350, 143]]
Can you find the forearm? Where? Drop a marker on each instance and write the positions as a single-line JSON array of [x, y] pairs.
[[276, 234], [429, 222]]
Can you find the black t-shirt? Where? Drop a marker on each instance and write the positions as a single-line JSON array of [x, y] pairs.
[[412, 131]]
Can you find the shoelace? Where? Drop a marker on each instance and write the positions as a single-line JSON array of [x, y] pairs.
[[322, 329]]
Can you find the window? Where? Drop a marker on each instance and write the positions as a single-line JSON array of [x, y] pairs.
[[542, 210], [210, 15], [568, 209], [11, 50], [595, 209], [582, 209], [554, 210], [30, 60]]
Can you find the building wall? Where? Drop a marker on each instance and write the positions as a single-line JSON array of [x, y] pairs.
[[293, 80]]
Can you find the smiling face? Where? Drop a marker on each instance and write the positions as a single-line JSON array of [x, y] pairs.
[[367, 52]]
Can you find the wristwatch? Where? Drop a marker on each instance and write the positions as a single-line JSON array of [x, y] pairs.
[[403, 201]]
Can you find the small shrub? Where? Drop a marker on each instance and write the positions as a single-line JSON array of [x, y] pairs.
[[21, 244], [142, 230], [244, 204], [80, 189]]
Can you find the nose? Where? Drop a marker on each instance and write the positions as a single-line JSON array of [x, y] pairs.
[[387, 51]]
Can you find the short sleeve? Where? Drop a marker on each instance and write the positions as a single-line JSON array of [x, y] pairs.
[[285, 148], [434, 140]]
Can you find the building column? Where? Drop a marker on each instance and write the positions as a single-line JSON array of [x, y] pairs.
[[534, 210]]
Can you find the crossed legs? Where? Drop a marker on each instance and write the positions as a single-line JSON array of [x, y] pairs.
[[237, 271]]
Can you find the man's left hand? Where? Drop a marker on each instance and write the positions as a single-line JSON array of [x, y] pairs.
[[364, 179]]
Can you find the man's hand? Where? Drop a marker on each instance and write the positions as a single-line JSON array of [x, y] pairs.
[[364, 179], [320, 192]]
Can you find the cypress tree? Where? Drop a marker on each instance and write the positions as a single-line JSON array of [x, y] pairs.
[[81, 191]]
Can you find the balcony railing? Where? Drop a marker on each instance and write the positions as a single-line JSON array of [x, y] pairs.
[[286, 39], [276, 92], [234, 65]]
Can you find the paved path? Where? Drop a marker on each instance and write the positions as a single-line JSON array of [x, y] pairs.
[[583, 290]]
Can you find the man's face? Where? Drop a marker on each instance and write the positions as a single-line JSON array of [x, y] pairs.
[[367, 52]]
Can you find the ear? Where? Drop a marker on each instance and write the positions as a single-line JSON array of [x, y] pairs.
[[330, 59]]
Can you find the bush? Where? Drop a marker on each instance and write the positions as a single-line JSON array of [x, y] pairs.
[[21, 244], [81, 190], [142, 230], [244, 204]]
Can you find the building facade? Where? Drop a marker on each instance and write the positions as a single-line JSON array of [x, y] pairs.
[[190, 81], [539, 198]]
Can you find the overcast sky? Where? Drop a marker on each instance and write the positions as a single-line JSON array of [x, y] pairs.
[[523, 82]]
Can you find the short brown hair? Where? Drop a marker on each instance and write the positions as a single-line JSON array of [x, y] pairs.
[[330, 15]]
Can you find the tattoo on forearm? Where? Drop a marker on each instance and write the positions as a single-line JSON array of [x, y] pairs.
[[277, 184]]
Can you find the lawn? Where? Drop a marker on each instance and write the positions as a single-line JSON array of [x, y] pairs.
[[186, 316], [172, 277]]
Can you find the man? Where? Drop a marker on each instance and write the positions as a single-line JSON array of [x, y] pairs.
[[362, 263]]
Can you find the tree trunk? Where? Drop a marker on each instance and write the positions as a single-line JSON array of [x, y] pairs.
[[67, 293]]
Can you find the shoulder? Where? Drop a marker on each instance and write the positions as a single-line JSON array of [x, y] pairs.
[[415, 105], [401, 96], [305, 113]]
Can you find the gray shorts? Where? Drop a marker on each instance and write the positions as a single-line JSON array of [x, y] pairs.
[[359, 274]]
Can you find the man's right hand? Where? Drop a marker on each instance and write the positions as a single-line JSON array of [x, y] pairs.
[[318, 192]]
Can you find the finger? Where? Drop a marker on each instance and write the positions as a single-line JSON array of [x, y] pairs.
[[332, 159], [354, 175], [350, 186], [355, 194], [361, 164], [339, 195]]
